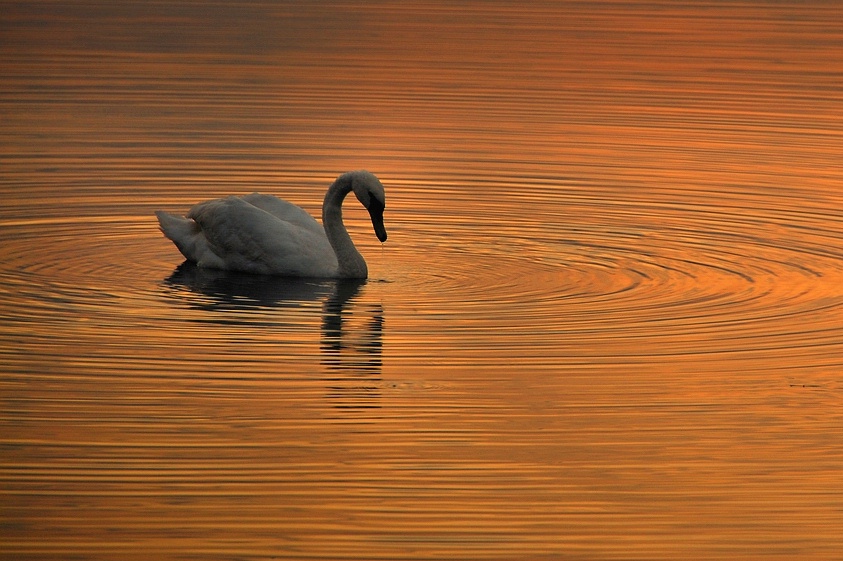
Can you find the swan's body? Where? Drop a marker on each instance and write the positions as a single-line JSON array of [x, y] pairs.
[[264, 234]]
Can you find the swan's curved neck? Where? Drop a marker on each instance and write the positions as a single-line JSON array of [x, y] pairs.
[[351, 264]]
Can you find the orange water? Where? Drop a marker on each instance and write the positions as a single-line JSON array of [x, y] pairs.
[[607, 323]]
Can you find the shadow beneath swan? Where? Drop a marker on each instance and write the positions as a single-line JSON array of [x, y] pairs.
[[214, 290], [351, 333]]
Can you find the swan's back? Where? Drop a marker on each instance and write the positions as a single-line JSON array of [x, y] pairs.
[[285, 211]]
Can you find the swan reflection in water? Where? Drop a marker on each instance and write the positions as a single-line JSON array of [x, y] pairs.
[[351, 333]]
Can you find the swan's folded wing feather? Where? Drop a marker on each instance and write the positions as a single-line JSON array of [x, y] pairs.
[[284, 210], [244, 237]]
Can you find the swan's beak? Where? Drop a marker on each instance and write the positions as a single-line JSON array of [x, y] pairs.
[[375, 208], [377, 222]]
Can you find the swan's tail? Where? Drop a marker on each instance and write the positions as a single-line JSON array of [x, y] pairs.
[[183, 232]]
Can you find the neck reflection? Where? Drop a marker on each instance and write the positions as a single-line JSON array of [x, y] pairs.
[[352, 348]]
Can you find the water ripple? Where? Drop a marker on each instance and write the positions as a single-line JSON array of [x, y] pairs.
[[680, 279]]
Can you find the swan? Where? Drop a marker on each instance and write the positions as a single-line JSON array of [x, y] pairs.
[[264, 234]]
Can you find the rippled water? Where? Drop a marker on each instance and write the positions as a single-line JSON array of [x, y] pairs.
[[607, 323]]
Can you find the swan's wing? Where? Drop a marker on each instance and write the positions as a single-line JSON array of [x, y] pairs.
[[242, 237], [283, 210]]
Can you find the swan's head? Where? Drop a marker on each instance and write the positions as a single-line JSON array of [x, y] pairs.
[[370, 193]]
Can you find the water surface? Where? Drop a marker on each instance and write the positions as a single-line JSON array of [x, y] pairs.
[[606, 324]]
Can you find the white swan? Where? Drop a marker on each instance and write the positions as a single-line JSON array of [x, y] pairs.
[[264, 234]]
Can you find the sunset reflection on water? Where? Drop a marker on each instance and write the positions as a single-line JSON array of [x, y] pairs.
[[606, 323]]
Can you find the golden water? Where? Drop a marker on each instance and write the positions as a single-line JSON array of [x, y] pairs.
[[607, 324]]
